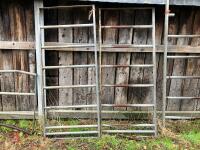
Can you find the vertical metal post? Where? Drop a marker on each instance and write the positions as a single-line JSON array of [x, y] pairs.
[[100, 42], [165, 60], [38, 17], [154, 71], [97, 73]]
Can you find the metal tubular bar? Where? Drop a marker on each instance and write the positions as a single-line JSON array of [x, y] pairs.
[[116, 66], [182, 57], [69, 66], [100, 49], [67, 46], [71, 133], [178, 117], [132, 125], [66, 26], [68, 86], [183, 77], [71, 127], [128, 26], [128, 85], [129, 8], [73, 106], [65, 7], [128, 105], [183, 36], [17, 93], [97, 73], [182, 97], [18, 71], [154, 71], [125, 46], [130, 131], [166, 27]]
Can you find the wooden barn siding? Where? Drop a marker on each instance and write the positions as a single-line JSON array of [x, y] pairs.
[[17, 24], [187, 20]]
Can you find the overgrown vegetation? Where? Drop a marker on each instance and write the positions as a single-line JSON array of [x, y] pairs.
[[179, 135]]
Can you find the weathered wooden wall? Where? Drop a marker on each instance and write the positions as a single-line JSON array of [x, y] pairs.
[[16, 23]]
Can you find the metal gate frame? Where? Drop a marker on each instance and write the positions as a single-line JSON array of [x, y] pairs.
[[168, 14], [76, 134], [153, 66]]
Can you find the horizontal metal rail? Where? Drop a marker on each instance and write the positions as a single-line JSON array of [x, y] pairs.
[[130, 131], [125, 46], [182, 57], [184, 36], [69, 66], [183, 77], [128, 26], [65, 7], [73, 106], [178, 117], [128, 8], [17, 94], [71, 133], [128, 85], [132, 125], [68, 46], [127, 105], [77, 138], [182, 97], [69, 86], [66, 26], [71, 127], [18, 71], [124, 66]]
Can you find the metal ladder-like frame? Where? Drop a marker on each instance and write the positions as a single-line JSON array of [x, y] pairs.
[[153, 131], [166, 57], [47, 128]]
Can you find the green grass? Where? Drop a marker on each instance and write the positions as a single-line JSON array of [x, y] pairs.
[[193, 137], [187, 137]]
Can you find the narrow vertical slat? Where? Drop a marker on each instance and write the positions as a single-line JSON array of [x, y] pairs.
[[80, 74], [137, 95], [65, 58], [108, 74], [29, 17], [37, 5], [20, 58], [122, 74], [7, 84]]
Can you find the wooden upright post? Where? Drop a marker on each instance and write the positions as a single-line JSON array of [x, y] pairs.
[[38, 20]]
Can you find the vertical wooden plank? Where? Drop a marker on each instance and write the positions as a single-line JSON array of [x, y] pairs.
[[20, 58], [147, 93], [122, 74], [51, 18], [37, 4], [1, 57], [29, 17], [91, 97], [80, 74], [137, 95], [108, 74], [65, 58], [7, 82], [176, 88], [191, 87], [173, 29], [159, 36]]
